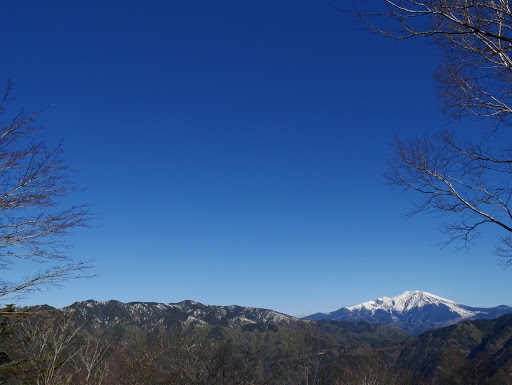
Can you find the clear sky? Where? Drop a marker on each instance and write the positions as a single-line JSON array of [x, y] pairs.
[[234, 152]]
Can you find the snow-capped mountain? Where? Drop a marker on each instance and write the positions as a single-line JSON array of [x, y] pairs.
[[412, 311], [410, 301]]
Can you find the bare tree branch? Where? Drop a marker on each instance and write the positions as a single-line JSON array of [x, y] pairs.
[[34, 222], [467, 183], [476, 39]]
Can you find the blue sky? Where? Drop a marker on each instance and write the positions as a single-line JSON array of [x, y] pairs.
[[234, 152]]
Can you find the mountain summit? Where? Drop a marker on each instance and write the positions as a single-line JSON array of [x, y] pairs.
[[411, 301], [412, 311]]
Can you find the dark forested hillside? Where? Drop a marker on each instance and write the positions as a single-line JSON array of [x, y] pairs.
[[483, 344]]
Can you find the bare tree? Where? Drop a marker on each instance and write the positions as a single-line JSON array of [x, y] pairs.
[[370, 370], [90, 365], [34, 180], [308, 356], [41, 347], [465, 180]]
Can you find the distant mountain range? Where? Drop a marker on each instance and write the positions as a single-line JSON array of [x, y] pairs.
[[354, 332], [413, 312]]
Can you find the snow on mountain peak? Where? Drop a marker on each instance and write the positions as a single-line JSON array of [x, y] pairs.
[[413, 311], [408, 301]]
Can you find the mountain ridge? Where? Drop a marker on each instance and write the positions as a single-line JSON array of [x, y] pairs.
[[187, 312]]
